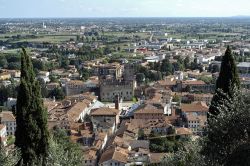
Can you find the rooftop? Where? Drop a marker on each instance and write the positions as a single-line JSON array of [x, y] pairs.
[[7, 116], [149, 109], [183, 131], [117, 154], [194, 107], [105, 111], [75, 111]]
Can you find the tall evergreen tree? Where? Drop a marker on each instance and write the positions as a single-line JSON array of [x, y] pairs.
[[31, 117], [227, 81]]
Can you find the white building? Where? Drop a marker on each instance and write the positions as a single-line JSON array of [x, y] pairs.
[[10, 103], [206, 58], [8, 119], [197, 123], [3, 134], [244, 68]]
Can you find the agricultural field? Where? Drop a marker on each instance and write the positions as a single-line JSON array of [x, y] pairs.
[[49, 38]]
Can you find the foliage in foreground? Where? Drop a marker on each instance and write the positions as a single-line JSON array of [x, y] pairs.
[[10, 157], [227, 141], [188, 155], [62, 151], [228, 131], [227, 82], [31, 117]]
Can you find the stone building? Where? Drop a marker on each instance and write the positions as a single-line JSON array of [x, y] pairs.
[[114, 69], [75, 87], [110, 88]]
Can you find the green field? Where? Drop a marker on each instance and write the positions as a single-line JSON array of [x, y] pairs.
[[50, 38], [125, 34]]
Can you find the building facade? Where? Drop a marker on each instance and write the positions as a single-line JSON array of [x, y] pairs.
[[8, 119], [111, 88]]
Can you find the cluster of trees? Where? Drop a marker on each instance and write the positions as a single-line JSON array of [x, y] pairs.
[[10, 61], [43, 66], [83, 54], [58, 92], [164, 145], [227, 134], [169, 144], [166, 68], [146, 75], [8, 91], [157, 70], [36, 145]]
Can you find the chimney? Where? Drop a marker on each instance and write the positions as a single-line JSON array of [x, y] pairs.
[[117, 102]]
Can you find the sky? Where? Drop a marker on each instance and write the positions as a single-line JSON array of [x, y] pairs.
[[123, 8]]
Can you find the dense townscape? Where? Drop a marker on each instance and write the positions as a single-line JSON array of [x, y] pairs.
[[125, 91]]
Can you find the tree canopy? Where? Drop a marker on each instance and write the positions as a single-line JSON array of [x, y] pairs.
[[31, 117]]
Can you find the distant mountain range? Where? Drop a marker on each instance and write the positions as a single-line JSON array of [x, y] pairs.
[[241, 16]]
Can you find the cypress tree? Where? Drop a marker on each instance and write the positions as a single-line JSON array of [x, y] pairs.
[[226, 83], [31, 117]]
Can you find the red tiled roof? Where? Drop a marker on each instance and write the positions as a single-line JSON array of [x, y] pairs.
[[194, 107], [104, 111]]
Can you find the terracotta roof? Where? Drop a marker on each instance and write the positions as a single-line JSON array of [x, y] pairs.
[[194, 107], [75, 138], [149, 109], [134, 124], [117, 154], [76, 82], [166, 83], [202, 95], [139, 144], [157, 157], [86, 133], [7, 116], [4, 73], [90, 154], [198, 82], [104, 111], [49, 104], [76, 110], [183, 131], [119, 141]]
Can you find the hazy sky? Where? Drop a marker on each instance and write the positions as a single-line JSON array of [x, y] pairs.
[[123, 8]]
